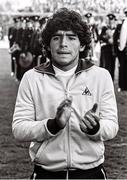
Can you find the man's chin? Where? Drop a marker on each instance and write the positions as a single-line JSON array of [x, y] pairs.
[[64, 63]]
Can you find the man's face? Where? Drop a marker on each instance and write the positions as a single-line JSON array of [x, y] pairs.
[[65, 47], [111, 22]]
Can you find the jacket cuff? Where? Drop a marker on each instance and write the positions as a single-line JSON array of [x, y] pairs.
[[51, 133]]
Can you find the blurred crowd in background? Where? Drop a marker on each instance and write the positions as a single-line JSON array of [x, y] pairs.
[[23, 29], [99, 8]]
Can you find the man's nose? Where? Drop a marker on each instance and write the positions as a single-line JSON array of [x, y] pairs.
[[63, 41]]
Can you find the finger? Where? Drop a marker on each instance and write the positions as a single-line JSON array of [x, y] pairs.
[[69, 101], [96, 117], [59, 112], [94, 108], [87, 123], [91, 119], [83, 127], [66, 109], [63, 103], [70, 98]]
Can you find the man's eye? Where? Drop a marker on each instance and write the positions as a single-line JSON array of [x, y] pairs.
[[55, 38], [72, 38]]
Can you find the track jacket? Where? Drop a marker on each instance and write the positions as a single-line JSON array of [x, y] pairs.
[[39, 95]]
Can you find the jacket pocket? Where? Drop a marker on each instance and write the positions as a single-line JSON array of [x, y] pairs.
[[41, 150], [52, 150]]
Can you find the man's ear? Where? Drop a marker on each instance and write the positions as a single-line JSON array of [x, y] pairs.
[[82, 48]]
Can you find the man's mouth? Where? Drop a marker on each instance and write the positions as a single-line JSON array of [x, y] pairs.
[[63, 52]]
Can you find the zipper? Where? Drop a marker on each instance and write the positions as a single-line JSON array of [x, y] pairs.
[[68, 129], [68, 139], [68, 147]]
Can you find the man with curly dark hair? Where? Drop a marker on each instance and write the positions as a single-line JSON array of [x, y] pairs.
[[66, 108], [67, 20]]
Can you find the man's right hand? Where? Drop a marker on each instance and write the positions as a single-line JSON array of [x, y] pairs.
[[62, 116], [63, 112]]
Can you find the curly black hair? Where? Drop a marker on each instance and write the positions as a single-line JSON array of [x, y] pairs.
[[67, 20]]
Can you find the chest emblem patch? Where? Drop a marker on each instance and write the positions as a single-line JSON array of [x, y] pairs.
[[87, 92]]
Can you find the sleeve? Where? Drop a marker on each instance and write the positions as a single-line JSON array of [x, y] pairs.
[[107, 112], [24, 125], [123, 35]]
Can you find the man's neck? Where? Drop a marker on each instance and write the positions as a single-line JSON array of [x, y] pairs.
[[65, 67], [61, 71]]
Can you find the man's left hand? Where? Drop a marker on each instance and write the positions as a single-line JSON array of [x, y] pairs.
[[90, 122]]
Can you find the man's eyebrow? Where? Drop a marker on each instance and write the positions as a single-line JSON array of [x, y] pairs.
[[67, 34]]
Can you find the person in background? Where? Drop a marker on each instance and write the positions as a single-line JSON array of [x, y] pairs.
[[12, 31], [120, 46], [36, 41], [66, 108], [24, 36], [94, 34], [108, 56]]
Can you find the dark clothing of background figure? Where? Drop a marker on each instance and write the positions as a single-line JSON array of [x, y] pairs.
[[122, 57], [107, 56], [23, 39], [27, 39], [37, 48], [12, 37]]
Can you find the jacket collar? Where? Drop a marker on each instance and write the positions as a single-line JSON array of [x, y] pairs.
[[48, 68]]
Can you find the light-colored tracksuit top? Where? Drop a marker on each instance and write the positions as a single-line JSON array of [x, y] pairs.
[[39, 95]]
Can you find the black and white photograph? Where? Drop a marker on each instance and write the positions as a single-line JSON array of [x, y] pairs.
[[63, 89]]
